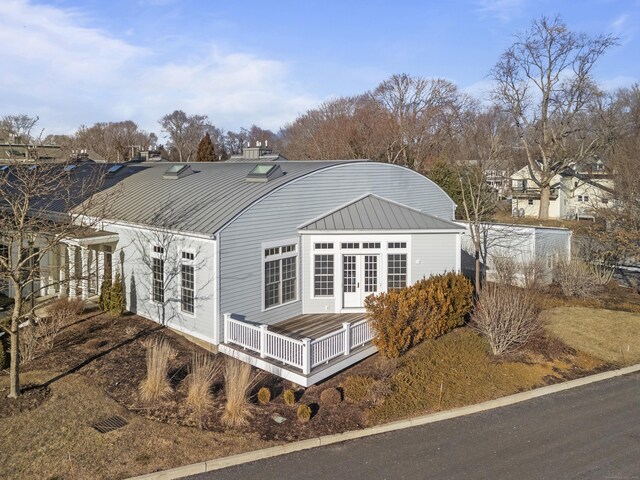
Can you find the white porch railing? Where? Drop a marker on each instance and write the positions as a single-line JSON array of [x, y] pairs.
[[304, 354]]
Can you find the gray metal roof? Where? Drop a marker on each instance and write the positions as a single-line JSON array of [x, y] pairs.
[[376, 213], [202, 202]]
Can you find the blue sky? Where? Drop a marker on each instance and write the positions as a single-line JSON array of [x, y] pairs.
[[74, 62]]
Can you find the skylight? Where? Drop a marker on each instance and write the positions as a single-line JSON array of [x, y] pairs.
[[4, 168], [69, 168], [264, 173], [178, 170], [113, 170]]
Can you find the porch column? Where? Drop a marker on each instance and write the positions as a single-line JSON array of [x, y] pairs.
[[100, 272], [63, 275], [73, 281], [84, 268], [52, 271]]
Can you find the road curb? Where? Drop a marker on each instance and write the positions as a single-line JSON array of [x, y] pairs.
[[218, 463]]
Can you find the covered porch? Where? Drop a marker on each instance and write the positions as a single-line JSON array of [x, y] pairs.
[[304, 349]]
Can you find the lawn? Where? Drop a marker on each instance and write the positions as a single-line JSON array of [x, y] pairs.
[[611, 335], [98, 362]]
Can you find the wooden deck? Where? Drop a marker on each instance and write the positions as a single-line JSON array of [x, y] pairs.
[[315, 325]]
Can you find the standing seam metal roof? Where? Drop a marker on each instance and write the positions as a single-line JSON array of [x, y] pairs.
[[376, 213], [202, 202]]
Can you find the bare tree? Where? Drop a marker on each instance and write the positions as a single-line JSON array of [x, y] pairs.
[[185, 132], [40, 205], [115, 141], [544, 81]]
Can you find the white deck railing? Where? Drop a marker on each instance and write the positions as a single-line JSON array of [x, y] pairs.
[[304, 354]]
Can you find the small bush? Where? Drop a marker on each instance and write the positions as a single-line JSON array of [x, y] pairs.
[[28, 346], [508, 317], [428, 309], [575, 277], [117, 302], [330, 396], [64, 309], [38, 337], [357, 388], [304, 413], [289, 397], [3, 355], [203, 372], [104, 302], [156, 385], [237, 381], [264, 395]]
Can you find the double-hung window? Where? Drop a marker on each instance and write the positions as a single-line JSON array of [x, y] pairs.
[[280, 275], [396, 271], [157, 274], [187, 282]]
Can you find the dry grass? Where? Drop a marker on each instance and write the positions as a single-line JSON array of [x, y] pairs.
[[203, 372], [156, 385], [613, 336], [56, 439], [453, 371], [237, 381]]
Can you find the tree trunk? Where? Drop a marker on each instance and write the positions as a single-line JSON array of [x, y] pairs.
[[478, 273], [545, 200], [14, 370]]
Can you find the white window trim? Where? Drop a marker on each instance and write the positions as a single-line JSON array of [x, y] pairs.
[[163, 257], [337, 252], [193, 264], [296, 253]]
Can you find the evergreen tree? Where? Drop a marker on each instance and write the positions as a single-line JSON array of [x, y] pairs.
[[117, 300], [447, 178], [104, 302], [206, 150]]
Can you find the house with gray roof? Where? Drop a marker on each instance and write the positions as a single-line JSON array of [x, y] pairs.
[[269, 262]]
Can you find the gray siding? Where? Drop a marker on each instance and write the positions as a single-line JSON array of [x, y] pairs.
[[551, 243], [432, 254], [278, 215]]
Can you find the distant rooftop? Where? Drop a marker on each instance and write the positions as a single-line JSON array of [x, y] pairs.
[[260, 153]]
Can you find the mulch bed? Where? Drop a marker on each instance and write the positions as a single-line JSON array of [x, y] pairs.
[[32, 397], [111, 353]]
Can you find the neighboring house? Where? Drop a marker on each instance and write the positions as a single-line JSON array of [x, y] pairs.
[[576, 193], [12, 151], [524, 246], [259, 153], [269, 262]]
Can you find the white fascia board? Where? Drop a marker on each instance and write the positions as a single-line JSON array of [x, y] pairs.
[[378, 232]]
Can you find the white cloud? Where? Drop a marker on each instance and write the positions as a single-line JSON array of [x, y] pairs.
[[504, 10], [67, 72]]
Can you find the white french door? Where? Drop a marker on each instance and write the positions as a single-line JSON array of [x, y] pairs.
[[359, 278]]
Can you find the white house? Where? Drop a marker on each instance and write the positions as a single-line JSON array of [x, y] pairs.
[[575, 193], [268, 262]]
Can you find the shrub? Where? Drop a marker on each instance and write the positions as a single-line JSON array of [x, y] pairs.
[[428, 309], [156, 385], [575, 278], [357, 387], [264, 395], [37, 337], [64, 309], [104, 302], [289, 397], [237, 380], [304, 413], [330, 396], [203, 371], [117, 302], [508, 317], [3, 355]]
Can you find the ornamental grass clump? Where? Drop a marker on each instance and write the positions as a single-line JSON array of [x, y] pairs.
[[156, 385], [237, 381], [202, 373], [289, 397]]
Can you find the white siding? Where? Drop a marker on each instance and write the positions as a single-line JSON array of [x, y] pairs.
[[278, 215], [432, 254], [128, 258]]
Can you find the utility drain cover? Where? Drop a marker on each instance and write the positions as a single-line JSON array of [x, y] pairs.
[[109, 424]]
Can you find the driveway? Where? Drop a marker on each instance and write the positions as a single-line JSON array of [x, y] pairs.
[[590, 432]]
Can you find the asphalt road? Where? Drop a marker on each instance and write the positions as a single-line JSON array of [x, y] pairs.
[[590, 432]]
